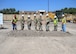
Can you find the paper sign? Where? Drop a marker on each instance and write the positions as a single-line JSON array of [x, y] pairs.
[[1, 19]]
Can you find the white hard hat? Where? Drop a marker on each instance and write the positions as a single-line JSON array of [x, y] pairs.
[[28, 15], [63, 15], [22, 15], [55, 16], [40, 14], [47, 15], [34, 14]]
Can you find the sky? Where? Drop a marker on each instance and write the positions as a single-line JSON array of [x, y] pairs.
[[35, 5]]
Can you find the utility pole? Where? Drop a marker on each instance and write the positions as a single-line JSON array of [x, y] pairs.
[[48, 6]]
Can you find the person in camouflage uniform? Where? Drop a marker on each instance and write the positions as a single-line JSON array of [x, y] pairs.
[[40, 23], [22, 21], [35, 21], [29, 22], [47, 22]]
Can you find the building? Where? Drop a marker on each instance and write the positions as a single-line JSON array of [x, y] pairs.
[[43, 12]]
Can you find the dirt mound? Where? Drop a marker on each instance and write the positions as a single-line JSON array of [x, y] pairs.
[[32, 33]]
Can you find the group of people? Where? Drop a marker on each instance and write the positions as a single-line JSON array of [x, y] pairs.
[[38, 23]]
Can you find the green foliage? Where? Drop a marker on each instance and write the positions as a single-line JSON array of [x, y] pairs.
[[69, 10], [9, 11], [13, 11]]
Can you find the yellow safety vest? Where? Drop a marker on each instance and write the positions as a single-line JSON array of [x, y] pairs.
[[14, 21], [55, 22], [63, 21]]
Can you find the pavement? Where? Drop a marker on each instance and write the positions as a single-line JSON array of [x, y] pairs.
[[37, 42]]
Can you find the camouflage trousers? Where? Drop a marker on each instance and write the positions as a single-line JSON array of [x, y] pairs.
[[35, 26], [29, 26], [40, 28], [22, 26], [47, 27], [55, 27]]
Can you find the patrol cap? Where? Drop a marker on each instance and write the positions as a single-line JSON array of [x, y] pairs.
[[34, 14]]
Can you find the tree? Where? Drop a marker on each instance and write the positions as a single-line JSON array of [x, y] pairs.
[[9, 11], [69, 10]]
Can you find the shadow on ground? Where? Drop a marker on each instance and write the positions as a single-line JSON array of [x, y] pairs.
[[3, 28], [27, 33]]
